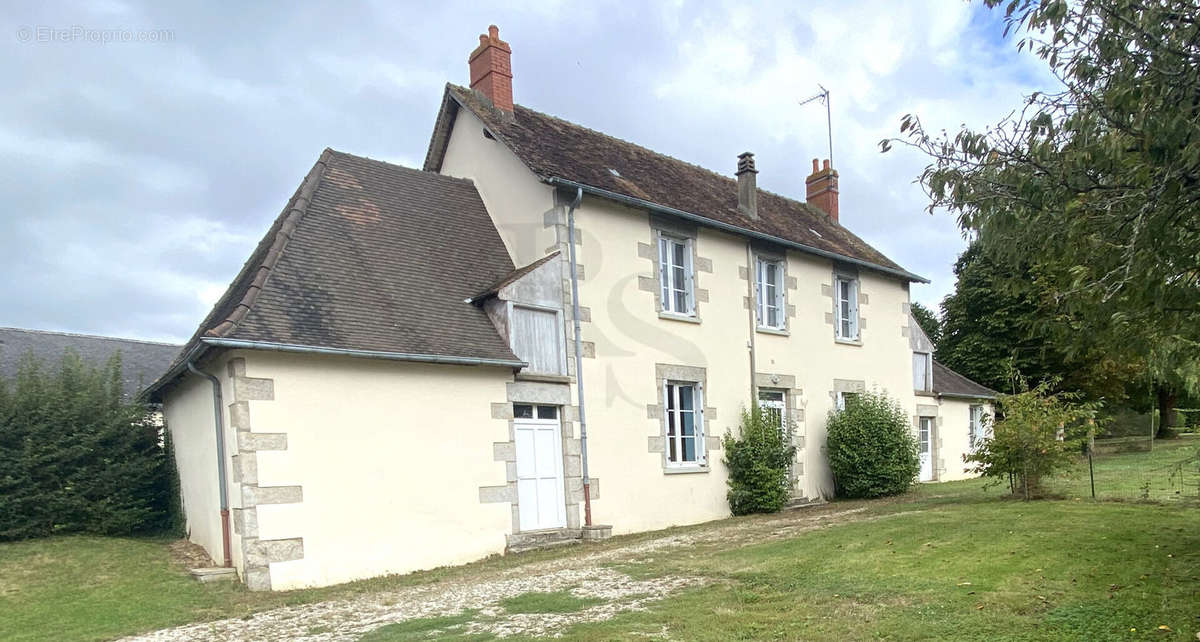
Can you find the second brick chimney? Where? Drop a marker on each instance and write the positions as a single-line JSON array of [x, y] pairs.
[[747, 185], [823, 189], [491, 69]]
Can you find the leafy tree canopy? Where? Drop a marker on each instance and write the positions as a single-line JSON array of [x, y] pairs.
[[1094, 186]]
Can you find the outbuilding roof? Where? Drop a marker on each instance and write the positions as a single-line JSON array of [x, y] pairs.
[[949, 383], [141, 361], [368, 258]]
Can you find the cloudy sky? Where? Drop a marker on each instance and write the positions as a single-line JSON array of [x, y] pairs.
[[138, 174]]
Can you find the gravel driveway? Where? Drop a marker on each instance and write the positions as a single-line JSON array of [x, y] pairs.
[[587, 573]]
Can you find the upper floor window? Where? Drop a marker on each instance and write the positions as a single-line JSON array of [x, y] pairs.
[[922, 371], [770, 290], [846, 307], [685, 423], [537, 339], [675, 274]]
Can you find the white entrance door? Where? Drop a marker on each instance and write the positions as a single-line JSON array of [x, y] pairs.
[[925, 447], [540, 494]]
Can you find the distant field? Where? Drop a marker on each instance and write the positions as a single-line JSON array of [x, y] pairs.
[[1145, 475]]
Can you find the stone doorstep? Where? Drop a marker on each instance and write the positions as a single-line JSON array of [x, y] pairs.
[[534, 540], [595, 532], [802, 502], [213, 574]]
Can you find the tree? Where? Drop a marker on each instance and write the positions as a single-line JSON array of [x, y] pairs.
[[992, 332], [1094, 185], [930, 324], [1040, 434], [872, 449]]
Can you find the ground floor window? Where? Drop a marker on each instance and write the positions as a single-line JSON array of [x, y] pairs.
[[685, 430], [975, 429], [774, 406], [844, 399]]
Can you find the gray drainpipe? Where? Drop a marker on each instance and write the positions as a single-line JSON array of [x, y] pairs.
[[218, 419], [583, 451], [752, 270]]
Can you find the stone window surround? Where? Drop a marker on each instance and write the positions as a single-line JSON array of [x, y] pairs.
[[657, 443], [935, 446], [544, 393], [660, 225], [790, 284], [846, 385], [795, 402], [827, 290], [257, 554]]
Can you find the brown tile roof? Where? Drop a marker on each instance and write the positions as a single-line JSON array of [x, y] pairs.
[[141, 361], [949, 383], [369, 256], [556, 149]]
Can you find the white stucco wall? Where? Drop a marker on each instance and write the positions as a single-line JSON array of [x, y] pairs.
[[188, 410], [390, 456], [515, 198], [953, 431], [630, 339]]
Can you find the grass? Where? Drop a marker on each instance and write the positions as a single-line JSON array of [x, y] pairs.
[[552, 602], [955, 560], [990, 569], [1139, 475]]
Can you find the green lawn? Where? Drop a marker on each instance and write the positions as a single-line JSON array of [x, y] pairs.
[[983, 570], [1148, 475], [951, 561]]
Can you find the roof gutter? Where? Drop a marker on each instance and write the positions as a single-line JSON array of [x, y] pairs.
[[958, 395], [206, 343], [734, 229], [369, 354]]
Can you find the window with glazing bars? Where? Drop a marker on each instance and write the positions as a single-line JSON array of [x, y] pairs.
[[675, 274]]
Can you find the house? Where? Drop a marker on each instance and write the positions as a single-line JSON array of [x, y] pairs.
[[142, 362], [539, 337]]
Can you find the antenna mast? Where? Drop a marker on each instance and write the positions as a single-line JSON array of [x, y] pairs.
[[824, 98]]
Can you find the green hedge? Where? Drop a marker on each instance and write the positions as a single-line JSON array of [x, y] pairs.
[[77, 458], [759, 459], [872, 449]]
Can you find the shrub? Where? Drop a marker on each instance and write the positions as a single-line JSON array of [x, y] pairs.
[[759, 460], [75, 457], [1040, 433], [872, 450]]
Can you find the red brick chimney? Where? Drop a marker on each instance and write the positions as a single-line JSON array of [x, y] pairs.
[[491, 69], [823, 189]]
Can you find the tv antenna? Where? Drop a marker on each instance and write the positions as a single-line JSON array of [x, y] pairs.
[[824, 98]]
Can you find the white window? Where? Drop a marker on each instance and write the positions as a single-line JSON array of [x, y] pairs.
[[685, 423], [774, 406], [846, 307], [675, 274], [537, 339], [975, 434], [770, 294], [845, 398], [922, 371]]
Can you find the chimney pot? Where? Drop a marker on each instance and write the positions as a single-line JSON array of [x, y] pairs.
[[822, 189], [747, 185], [491, 69]]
